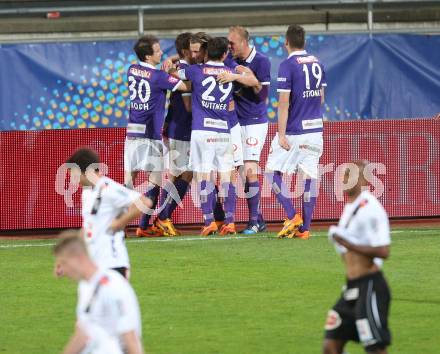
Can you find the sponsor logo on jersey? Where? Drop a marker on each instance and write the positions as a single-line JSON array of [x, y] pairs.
[[308, 59], [252, 141], [140, 72], [215, 71], [172, 80], [282, 79]]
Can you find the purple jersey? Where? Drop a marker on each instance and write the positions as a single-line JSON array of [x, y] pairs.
[[303, 76], [250, 108], [212, 103], [148, 87], [178, 118]]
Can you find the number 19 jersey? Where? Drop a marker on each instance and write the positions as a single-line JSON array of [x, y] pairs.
[[303, 76], [148, 87], [212, 102]]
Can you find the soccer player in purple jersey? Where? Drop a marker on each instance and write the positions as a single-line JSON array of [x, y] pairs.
[[211, 147], [298, 145], [143, 150], [251, 106], [177, 134]]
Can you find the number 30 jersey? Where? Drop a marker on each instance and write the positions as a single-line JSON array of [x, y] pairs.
[[303, 76], [212, 103], [147, 88]]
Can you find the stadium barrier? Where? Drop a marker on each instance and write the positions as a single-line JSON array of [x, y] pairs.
[[405, 152]]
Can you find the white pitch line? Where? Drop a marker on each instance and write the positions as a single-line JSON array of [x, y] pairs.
[[189, 239]]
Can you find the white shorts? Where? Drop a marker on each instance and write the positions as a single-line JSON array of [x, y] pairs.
[[305, 151], [142, 154], [177, 156], [253, 137], [210, 151], [237, 145]]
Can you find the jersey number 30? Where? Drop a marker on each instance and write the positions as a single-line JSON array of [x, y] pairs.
[[210, 80], [143, 90]]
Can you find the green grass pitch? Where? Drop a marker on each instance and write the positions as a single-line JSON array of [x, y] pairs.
[[253, 294]]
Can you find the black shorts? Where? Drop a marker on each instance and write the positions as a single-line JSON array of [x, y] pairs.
[[122, 270], [361, 314]]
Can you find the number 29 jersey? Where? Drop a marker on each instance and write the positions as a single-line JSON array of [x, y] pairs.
[[147, 89], [303, 76], [212, 103]]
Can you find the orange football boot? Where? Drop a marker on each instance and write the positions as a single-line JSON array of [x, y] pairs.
[[290, 226], [151, 231], [219, 224], [228, 229], [302, 235], [209, 230], [167, 227]]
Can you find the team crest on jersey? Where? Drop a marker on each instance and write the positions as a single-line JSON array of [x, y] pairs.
[[333, 320], [140, 72], [307, 59], [215, 71]]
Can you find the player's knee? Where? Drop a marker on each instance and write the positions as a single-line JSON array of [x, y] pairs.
[[331, 347]]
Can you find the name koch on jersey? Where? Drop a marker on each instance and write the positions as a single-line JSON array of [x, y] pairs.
[[147, 88], [212, 103], [303, 76]]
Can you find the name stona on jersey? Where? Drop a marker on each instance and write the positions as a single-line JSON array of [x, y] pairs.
[[307, 59], [140, 72], [311, 93]]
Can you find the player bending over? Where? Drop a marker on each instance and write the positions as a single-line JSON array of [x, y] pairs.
[[177, 134], [143, 150], [211, 147], [108, 315], [297, 146], [106, 208], [362, 238]]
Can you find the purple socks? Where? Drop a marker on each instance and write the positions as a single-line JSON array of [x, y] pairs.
[[308, 201], [168, 203], [230, 201], [252, 190], [281, 193], [153, 194], [207, 199]]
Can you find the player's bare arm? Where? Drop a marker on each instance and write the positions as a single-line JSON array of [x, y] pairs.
[[368, 251], [139, 206], [246, 78], [283, 111], [169, 62], [77, 342], [186, 98], [132, 344]]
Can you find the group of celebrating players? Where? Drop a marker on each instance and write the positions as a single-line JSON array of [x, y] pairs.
[[217, 122]]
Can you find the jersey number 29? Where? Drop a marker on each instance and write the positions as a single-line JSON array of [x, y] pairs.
[[206, 95]]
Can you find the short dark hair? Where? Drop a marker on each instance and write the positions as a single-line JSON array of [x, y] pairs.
[[144, 46], [201, 37], [217, 47], [296, 36], [182, 42], [84, 157]]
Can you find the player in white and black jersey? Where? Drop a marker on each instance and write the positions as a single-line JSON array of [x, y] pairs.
[[106, 208], [362, 238], [108, 313]]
